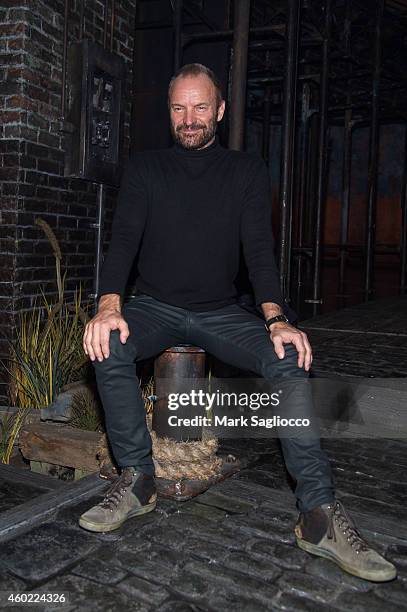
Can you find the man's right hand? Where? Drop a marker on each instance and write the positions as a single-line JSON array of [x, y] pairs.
[[97, 331]]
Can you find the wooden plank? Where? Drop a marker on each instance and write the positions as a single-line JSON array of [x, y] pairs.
[[361, 408], [36, 511], [26, 477], [385, 315], [61, 445], [344, 407]]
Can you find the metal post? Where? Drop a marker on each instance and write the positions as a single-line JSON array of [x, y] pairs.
[[105, 23], [81, 19], [101, 197], [287, 147], [101, 188], [189, 39], [241, 22], [403, 244], [346, 165], [322, 146], [175, 371], [266, 124], [64, 59], [345, 204], [112, 18], [177, 34], [373, 156], [302, 186]]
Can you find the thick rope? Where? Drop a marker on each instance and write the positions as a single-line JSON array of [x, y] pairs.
[[195, 460]]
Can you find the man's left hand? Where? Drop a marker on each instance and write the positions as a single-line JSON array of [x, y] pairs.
[[283, 333]]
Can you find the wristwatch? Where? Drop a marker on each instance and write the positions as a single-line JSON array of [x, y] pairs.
[[275, 319]]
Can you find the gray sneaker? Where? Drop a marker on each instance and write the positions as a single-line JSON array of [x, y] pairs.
[[131, 494], [328, 531]]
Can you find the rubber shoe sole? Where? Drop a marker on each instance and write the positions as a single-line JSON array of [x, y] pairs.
[[102, 527], [378, 576]]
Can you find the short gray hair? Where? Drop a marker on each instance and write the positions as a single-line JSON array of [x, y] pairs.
[[195, 70]]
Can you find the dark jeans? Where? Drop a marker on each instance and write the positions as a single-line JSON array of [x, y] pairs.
[[234, 336]]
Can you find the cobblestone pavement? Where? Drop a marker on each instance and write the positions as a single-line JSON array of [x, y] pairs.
[[232, 548]]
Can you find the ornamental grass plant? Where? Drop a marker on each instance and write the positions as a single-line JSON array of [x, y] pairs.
[[46, 354], [86, 412]]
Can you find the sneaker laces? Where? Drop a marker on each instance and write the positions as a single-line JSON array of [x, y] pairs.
[[115, 493], [338, 514]]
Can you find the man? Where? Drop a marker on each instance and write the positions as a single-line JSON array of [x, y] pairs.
[[184, 211]]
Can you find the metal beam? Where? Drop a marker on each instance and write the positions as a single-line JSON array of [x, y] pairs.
[[266, 124], [403, 241], [225, 34], [177, 17], [322, 156], [287, 148], [373, 155], [241, 22]]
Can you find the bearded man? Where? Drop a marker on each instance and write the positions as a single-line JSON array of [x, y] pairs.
[[185, 211]]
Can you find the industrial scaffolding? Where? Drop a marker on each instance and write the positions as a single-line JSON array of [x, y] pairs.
[[309, 66]]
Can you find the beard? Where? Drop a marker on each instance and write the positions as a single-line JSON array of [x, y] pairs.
[[194, 140]]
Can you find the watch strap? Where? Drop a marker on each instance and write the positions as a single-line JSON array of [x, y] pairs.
[[275, 319]]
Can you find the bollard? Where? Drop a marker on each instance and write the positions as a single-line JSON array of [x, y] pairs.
[[171, 369]]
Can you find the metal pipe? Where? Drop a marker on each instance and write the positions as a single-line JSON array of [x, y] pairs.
[[101, 198], [346, 161], [81, 19], [373, 156], [302, 185], [177, 34], [322, 150], [101, 187], [64, 60], [105, 23], [224, 34], [241, 22], [287, 146], [345, 203], [388, 248], [266, 125], [112, 20], [403, 244], [135, 56], [278, 79], [312, 155], [266, 45]]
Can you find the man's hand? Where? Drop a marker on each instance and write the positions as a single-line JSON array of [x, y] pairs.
[[97, 330], [283, 333]]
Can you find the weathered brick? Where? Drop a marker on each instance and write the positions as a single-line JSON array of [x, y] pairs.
[[32, 155], [283, 555], [331, 572], [360, 602], [303, 585], [143, 590], [221, 577], [24, 556]]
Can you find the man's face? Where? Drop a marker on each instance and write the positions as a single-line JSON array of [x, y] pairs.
[[193, 111]]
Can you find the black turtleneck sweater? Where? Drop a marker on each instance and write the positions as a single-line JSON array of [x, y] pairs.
[[185, 213]]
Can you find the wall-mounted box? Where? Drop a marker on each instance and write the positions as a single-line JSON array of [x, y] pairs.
[[94, 116]]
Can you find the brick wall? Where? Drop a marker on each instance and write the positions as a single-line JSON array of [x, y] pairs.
[[32, 154]]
